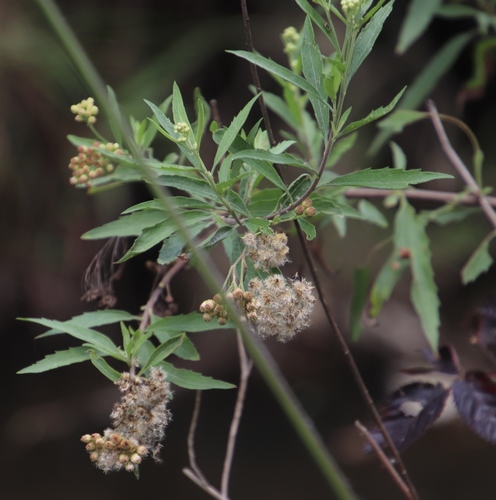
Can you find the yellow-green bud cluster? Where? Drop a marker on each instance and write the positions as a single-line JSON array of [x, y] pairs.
[[244, 301], [306, 208], [85, 111], [90, 164], [290, 38], [183, 130], [139, 421], [266, 251], [350, 7], [284, 306]]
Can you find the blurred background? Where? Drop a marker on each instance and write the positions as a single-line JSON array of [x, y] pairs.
[[140, 48]]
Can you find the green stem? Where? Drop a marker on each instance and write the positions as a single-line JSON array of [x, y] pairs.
[[262, 358]]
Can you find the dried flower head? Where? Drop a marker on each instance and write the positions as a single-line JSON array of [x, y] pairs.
[[85, 111], [267, 251], [139, 420], [284, 306]]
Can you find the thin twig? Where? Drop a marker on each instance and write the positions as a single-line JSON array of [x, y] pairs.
[[191, 439], [419, 194], [254, 72], [458, 164], [384, 459], [245, 370], [352, 363], [164, 284]]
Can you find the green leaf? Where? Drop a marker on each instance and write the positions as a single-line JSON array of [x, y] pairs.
[[192, 322], [319, 22], [95, 318], [400, 118], [385, 282], [399, 157], [479, 262], [367, 37], [129, 225], [340, 148], [115, 116], [163, 351], [308, 228], [264, 202], [278, 70], [103, 367], [152, 236], [196, 187], [192, 380], [281, 109], [98, 340], [233, 130], [174, 245], [219, 235], [237, 203], [180, 201], [372, 214], [373, 115], [312, 66], [280, 159], [361, 280], [410, 235], [58, 359], [418, 17], [187, 350], [255, 224], [387, 178], [178, 109]]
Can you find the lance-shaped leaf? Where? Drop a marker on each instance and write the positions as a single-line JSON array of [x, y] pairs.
[[278, 70], [367, 38], [192, 322], [319, 21], [233, 130], [409, 412], [58, 359], [387, 178], [479, 262], [163, 351], [174, 245], [103, 367], [475, 400], [192, 380], [411, 242], [361, 282], [280, 159], [96, 339]]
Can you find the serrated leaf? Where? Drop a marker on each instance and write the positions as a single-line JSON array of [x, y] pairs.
[[58, 359], [387, 178], [278, 70], [174, 245], [219, 235], [374, 115], [418, 17], [233, 130], [312, 66], [475, 400], [409, 412], [187, 350], [385, 282], [479, 262], [361, 281], [280, 159], [237, 203], [98, 340], [103, 367], [367, 37], [95, 318], [196, 187], [163, 351], [129, 225], [192, 380], [192, 322], [372, 214], [180, 201], [410, 236]]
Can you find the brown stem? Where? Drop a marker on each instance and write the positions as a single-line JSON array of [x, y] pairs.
[[419, 194], [155, 295], [352, 363], [384, 459], [458, 164], [245, 369]]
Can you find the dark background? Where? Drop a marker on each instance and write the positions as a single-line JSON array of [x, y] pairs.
[[139, 48]]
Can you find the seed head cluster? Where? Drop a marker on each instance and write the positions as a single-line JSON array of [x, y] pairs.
[[284, 306], [266, 251], [85, 111], [139, 420], [90, 164]]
